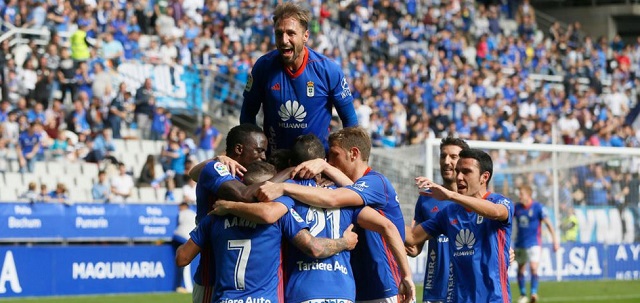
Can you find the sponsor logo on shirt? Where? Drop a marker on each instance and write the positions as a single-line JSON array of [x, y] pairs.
[[454, 222], [434, 209], [292, 110], [465, 239], [276, 87], [360, 185], [221, 169]]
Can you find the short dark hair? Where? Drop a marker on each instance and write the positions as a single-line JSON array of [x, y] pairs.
[[280, 158], [485, 164], [450, 140], [240, 135], [257, 170], [307, 147]]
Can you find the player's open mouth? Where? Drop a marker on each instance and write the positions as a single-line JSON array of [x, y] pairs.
[[286, 51], [461, 186]]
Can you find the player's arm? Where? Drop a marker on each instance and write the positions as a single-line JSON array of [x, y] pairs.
[[261, 213], [234, 167], [322, 247], [552, 231], [252, 100], [416, 235], [186, 252], [314, 196], [343, 100], [493, 211], [311, 168], [370, 219], [415, 249]]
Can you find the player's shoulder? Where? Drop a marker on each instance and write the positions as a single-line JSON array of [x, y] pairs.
[[318, 58], [217, 168], [267, 59]]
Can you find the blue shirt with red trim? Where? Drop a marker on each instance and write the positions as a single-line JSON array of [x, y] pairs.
[[436, 275], [247, 255], [529, 222], [212, 176], [300, 103], [374, 268], [334, 273], [479, 252]]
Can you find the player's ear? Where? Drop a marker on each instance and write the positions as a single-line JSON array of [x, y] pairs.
[[306, 36], [238, 149], [354, 153], [484, 177]]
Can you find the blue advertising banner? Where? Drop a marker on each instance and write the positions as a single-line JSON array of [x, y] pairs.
[[77, 270], [624, 261], [46, 222], [26, 221]]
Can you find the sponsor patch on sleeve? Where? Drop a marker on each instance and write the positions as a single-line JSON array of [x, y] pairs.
[[221, 169], [249, 83]]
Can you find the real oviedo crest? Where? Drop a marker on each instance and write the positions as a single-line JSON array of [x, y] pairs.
[[310, 89]]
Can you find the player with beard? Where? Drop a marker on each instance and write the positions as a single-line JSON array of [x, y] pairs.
[[296, 86]]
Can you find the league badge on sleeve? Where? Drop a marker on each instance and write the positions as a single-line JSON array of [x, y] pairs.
[[310, 89], [249, 83], [221, 169], [296, 216]]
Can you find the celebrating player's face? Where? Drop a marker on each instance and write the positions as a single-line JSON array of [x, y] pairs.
[[254, 150], [290, 40], [338, 158], [449, 155], [468, 178]]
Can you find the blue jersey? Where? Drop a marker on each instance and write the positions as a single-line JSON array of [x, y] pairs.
[[479, 252], [436, 276], [375, 270], [212, 176], [333, 273], [529, 220], [300, 103], [247, 255]]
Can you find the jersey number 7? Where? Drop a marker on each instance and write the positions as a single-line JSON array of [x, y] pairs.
[[244, 248]]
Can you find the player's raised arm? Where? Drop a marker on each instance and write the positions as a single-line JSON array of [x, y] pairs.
[[311, 168], [494, 211], [370, 219], [322, 247], [314, 196], [261, 213], [186, 252]]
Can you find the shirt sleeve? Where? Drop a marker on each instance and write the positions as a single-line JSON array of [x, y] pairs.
[[291, 224], [371, 190], [544, 213], [251, 104], [418, 217], [286, 200], [201, 233], [213, 175], [433, 226], [342, 99]]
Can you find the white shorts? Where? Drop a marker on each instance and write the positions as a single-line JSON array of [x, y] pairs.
[[393, 299], [531, 254]]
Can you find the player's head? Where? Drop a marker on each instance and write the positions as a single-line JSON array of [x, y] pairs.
[[473, 172], [450, 149], [258, 171], [525, 194], [291, 28], [347, 146], [306, 147], [246, 143], [280, 158]]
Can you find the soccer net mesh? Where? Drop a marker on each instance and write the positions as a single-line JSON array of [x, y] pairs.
[[590, 180]]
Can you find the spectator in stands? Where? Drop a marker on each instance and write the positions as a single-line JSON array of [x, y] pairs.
[[101, 190], [186, 223], [159, 124], [60, 194], [148, 172], [27, 148], [78, 119], [43, 196], [189, 192], [208, 138], [177, 158], [121, 185], [66, 74], [103, 144], [598, 186], [112, 49], [31, 195], [145, 108], [117, 111]]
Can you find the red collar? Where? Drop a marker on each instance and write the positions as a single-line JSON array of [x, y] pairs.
[[302, 67]]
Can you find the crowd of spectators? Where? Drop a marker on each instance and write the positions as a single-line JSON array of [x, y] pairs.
[[441, 67]]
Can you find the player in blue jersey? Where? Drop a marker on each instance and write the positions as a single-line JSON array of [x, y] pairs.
[[296, 86], [529, 216], [245, 143], [247, 254], [377, 276], [335, 272], [478, 224], [436, 277]]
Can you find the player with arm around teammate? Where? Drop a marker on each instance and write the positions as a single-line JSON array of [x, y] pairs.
[[247, 255], [478, 225], [529, 216]]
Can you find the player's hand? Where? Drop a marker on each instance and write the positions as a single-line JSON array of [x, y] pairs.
[[556, 246], [512, 255], [309, 169], [269, 191], [234, 167], [324, 182], [350, 237], [432, 189], [421, 180], [407, 290], [220, 208]]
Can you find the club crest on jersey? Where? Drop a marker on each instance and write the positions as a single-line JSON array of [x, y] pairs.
[[249, 83], [296, 216], [221, 169], [310, 89]]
